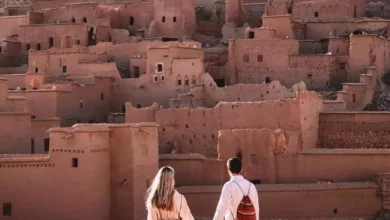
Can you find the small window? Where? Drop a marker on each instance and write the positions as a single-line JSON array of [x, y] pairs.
[[246, 58], [309, 76], [251, 35], [77, 42], [353, 98], [316, 14], [38, 47], [193, 80], [64, 69], [136, 71], [342, 66], [75, 162], [36, 70], [162, 78], [163, 19], [84, 19], [131, 22], [73, 20], [51, 42], [174, 19], [81, 104], [337, 51], [259, 58], [267, 80], [139, 106], [46, 145], [7, 209], [179, 82], [159, 68], [101, 96], [27, 46], [155, 78]]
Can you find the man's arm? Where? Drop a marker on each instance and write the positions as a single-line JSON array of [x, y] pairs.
[[223, 204]]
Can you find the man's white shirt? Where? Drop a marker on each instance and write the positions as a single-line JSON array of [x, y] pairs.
[[231, 197]]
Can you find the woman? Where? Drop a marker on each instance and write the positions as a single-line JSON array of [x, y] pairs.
[[163, 202]]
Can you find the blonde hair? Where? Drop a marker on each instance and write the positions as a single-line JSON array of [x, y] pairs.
[[160, 193]]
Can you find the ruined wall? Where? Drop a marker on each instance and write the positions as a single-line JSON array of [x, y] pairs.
[[211, 94], [320, 30], [287, 201], [204, 171], [354, 130], [328, 10], [195, 130]]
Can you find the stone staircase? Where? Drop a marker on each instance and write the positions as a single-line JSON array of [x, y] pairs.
[[355, 96]]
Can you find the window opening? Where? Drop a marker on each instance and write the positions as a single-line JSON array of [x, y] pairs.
[[131, 22], [75, 162], [251, 35], [46, 144]]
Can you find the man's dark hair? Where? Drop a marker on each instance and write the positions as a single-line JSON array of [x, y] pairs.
[[234, 165]]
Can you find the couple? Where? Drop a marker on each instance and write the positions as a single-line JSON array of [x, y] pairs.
[[239, 199]]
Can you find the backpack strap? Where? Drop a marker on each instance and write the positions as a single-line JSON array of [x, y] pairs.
[[240, 187], [249, 188]]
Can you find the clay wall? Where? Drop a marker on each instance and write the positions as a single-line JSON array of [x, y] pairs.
[[40, 136], [354, 130], [89, 103], [136, 145], [371, 51], [251, 60], [43, 176], [320, 30], [159, 86], [286, 201], [41, 34], [10, 25], [211, 94], [15, 80], [13, 70], [282, 24], [203, 170], [328, 10], [312, 47], [16, 136], [257, 61], [136, 16], [210, 28], [174, 19], [195, 130], [339, 46], [315, 70], [121, 54]]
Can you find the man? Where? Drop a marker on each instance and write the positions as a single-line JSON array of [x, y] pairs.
[[233, 194]]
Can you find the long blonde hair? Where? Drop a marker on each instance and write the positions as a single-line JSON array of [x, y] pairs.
[[160, 193]]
